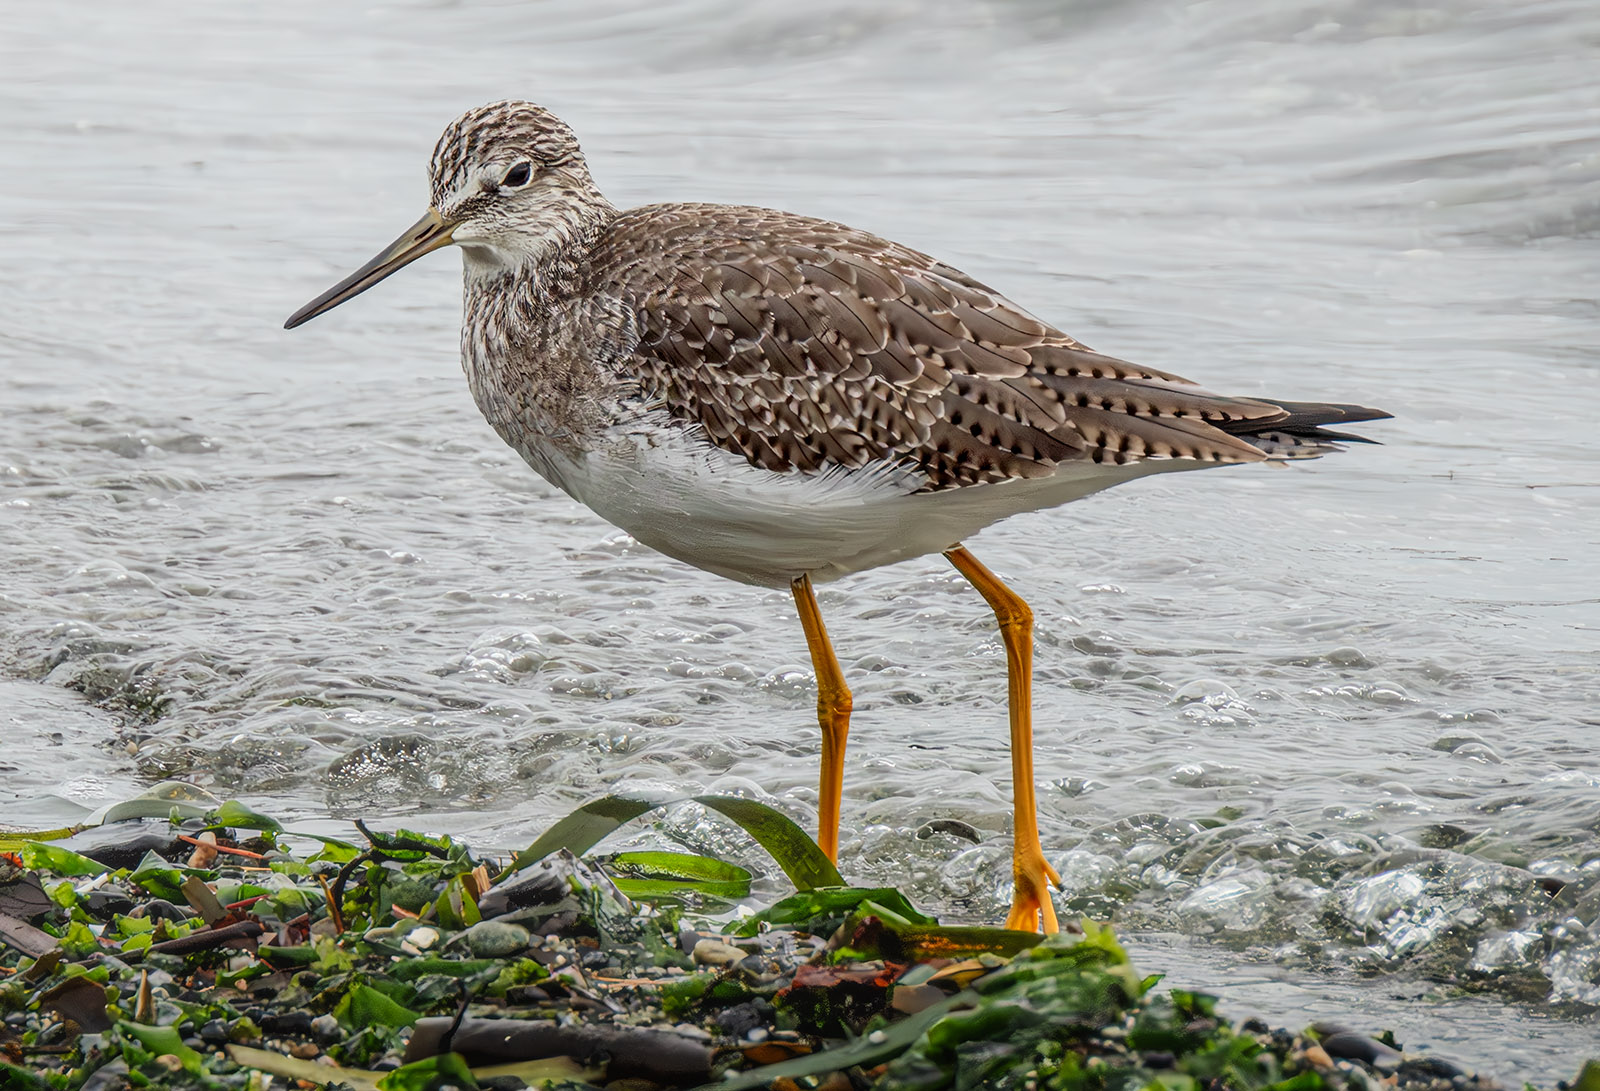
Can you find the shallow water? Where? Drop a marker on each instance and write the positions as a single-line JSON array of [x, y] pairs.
[[1318, 718]]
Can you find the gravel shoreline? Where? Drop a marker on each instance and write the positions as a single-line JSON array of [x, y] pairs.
[[208, 949]]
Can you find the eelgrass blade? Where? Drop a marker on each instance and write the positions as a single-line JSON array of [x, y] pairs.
[[790, 847]]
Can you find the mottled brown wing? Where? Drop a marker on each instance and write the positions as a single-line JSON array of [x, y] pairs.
[[806, 345]]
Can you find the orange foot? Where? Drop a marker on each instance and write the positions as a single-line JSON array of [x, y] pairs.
[[1031, 905]]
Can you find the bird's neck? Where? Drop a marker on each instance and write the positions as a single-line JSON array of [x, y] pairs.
[[528, 348], [549, 260]]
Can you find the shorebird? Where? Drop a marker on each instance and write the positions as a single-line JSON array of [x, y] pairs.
[[783, 400]]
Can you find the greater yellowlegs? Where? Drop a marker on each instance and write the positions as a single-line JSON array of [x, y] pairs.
[[782, 400]]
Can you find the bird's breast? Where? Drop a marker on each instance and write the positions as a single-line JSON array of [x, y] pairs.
[[542, 389]]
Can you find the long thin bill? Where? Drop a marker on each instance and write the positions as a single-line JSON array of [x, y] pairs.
[[423, 237]]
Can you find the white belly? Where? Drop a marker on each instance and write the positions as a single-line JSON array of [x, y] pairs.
[[716, 511]]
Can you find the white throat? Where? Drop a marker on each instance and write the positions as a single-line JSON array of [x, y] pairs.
[[483, 261]]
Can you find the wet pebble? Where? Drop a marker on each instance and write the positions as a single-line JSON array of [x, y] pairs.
[[712, 952], [326, 1028], [1351, 1046], [496, 939], [106, 1077], [289, 1022], [159, 909], [104, 903], [214, 1032], [738, 1020], [953, 827], [910, 999], [1425, 1068], [1316, 1056]]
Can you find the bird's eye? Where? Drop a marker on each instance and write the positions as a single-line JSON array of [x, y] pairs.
[[517, 176]]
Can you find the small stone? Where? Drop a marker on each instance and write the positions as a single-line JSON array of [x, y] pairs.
[[159, 909], [205, 853], [497, 939], [1351, 1046], [214, 1032], [295, 1023], [1316, 1056], [910, 999], [326, 1028], [304, 1050], [738, 1020], [756, 1034], [952, 827], [713, 952]]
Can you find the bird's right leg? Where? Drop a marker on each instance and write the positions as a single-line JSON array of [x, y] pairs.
[[1031, 907], [833, 713]]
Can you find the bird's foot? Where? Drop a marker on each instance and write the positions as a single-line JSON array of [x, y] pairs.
[[1031, 907]]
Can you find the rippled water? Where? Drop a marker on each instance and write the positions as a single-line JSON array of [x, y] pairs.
[[1330, 722]]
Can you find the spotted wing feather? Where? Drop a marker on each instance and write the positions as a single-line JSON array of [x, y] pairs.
[[806, 345]]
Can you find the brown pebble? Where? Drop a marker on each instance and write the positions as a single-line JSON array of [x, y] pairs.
[[1316, 1056], [910, 999], [305, 1051], [205, 853]]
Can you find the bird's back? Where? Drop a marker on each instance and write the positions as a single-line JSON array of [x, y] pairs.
[[808, 346]]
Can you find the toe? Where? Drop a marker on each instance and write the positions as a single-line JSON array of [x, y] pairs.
[[1047, 910]]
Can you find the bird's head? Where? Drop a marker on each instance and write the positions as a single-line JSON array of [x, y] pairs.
[[509, 186]]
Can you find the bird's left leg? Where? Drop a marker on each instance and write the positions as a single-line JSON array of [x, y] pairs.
[[833, 713], [1031, 907]]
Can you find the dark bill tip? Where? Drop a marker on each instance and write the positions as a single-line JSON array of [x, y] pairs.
[[423, 237]]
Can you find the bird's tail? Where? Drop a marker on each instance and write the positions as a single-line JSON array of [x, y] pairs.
[[1301, 434]]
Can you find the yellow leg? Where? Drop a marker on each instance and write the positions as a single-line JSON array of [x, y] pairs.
[[833, 713], [1031, 907]]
